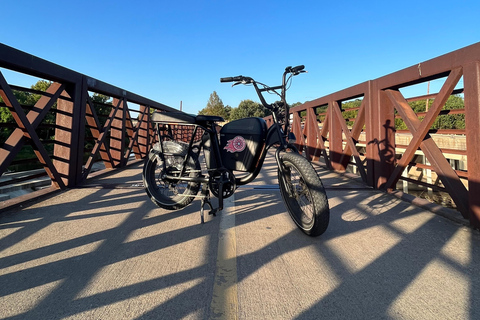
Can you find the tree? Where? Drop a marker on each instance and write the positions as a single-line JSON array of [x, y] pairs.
[[447, 121], [27, 100], [102, 107], [350, 114], [247, 108], [451, 121], [44, 132], [5, 117], [215, 107]]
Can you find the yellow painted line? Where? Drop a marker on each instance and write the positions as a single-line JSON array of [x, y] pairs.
[[224, 303]]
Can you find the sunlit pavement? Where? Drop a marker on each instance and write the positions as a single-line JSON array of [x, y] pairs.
[[106, 251]]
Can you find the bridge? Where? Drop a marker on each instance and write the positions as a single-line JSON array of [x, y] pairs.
[[87, 131], [92, 246]]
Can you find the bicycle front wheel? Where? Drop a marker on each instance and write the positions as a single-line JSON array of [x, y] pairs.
[[304, 194]]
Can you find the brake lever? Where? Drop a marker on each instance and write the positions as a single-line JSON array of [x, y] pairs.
[[298, 72], [244, 81]]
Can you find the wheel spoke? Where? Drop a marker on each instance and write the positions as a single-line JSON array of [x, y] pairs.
[[300, 194]]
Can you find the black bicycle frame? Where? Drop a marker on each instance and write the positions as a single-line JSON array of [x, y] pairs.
[[274, 136]]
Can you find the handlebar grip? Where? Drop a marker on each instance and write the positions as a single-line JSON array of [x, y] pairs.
[[231, 79], [298, 68]]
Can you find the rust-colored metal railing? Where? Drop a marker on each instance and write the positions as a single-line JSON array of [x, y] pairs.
[[81, 135], [370, 142]]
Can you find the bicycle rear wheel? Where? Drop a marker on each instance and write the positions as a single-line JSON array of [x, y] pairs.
[[304, 194], [170, 195]]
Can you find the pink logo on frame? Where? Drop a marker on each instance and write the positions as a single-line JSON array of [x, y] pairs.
[[236, 144]]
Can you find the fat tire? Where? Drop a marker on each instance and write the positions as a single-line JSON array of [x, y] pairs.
[[154, 186], [312, 190]]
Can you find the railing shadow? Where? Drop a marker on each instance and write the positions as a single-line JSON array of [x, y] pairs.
[[388, 259], [95, 249], [375, 254]]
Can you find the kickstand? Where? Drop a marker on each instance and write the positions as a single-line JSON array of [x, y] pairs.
[[206, 201]]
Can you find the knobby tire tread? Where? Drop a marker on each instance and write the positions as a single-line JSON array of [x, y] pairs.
[[319, 200], [170, 203]]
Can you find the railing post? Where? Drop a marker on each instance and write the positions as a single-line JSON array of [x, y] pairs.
[[335, 140], [117, 134], [70, 134], [370, 133], [296, 128], [380, 126], [311, 127], [143, 141], [471, 77]]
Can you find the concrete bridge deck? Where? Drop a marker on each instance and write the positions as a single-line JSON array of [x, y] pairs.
[[105, 251]]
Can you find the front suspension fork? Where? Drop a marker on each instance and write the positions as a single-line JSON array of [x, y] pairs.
[[283, 170]]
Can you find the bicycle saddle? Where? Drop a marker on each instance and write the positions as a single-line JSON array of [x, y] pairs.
[[181, 117]]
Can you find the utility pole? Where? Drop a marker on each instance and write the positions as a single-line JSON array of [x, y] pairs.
[[428, 92]]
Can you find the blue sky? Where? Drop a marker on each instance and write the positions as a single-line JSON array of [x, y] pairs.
[[172, 51]]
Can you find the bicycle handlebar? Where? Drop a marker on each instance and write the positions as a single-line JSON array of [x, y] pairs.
[[247, 80], [232, 79], [275, 106], [295, 70]]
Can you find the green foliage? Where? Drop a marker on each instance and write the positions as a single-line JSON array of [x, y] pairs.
[[5, 118], [5, 115], [448, 121], [303, 115], [320, 112], [44, 133], [41, 85], [100, 98], [247, 108], [215, 107], [454, 121], [400, 124], [228, 111], [350, 114], [102, 107], [352, 104], [27, 100]]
